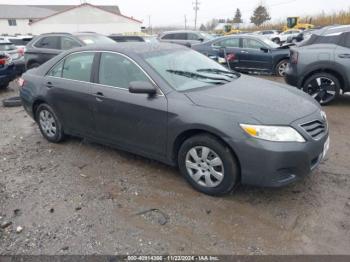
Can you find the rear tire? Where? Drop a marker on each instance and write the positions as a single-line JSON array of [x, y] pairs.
[[208, 165], [50, 126], [323, 87]]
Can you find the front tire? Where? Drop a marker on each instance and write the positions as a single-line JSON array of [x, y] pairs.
[[281, 67], [49, 124], [323, 87], [208, 165]]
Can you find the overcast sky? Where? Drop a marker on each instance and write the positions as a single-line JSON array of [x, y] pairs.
[[172, 12]]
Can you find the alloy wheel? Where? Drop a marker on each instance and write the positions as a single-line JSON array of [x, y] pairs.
[[282, 69], [47, 123], [204, 166], [322, 89]]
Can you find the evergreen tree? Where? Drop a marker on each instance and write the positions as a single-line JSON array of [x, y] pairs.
[[238, 17], [260, 15]]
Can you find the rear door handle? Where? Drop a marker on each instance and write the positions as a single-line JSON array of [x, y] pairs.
[[344, 56], [244, 52]]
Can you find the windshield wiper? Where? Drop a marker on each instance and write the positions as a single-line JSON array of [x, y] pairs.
[[220, 72], [197, 76]]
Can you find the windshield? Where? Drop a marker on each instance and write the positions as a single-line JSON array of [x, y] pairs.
[[188, 69], [7, 47], [206, 36], [270, 43], [95, 39]]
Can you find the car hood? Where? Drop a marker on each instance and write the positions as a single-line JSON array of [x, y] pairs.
[[265, 101]]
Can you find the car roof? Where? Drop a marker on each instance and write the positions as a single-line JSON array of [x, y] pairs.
[[5, 42], [181, 31], [72, 34], [249, 35], [333, 30], [137, 48]]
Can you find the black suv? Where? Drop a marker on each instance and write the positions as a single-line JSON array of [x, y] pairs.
[[320, 65], [42, 48]]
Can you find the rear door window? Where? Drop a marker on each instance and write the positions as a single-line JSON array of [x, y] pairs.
[[168, 36], [180, 36], [78, 66], [231, 42], [49, 42]]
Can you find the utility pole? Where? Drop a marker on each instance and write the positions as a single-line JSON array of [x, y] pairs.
[[149, 25], [185, 22], [196, 8]]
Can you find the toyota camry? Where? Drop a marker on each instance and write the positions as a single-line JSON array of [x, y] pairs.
[[175, 105]]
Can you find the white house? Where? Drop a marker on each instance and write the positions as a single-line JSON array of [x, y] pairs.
[[19, 19]]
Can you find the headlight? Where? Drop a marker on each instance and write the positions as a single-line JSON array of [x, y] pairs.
[[273, 133]]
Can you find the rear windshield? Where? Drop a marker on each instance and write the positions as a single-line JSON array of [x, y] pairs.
[[17, 41], [95, 39], [7, 47]]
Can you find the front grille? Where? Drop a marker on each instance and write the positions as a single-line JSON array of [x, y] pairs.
[[316, 129]]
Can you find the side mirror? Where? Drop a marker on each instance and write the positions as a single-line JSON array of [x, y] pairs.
[[142, 87], [264, 49], [201, 39]]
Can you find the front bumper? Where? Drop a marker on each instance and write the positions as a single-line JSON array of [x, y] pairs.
[[275, 164]]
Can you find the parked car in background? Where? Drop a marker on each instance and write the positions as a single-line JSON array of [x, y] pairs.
[[172, 104], [126, 38], [20, 41], [270, 34], [186, 37], [46, 46], [282, 37], [133, 38], [16, 55], [320, 66], [304, 35], [7, 70], [247, 53]]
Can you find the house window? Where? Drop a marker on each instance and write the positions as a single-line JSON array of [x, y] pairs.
[[12, 22]]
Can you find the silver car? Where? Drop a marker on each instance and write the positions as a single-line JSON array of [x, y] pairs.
[[185, 37]]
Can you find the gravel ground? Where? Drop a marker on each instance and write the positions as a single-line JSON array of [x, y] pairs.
[[82, 198]]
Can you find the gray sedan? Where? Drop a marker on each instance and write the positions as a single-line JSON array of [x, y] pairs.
[[172, 104]]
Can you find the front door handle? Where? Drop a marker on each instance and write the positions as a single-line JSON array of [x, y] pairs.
[[49, 84], [99, 96], [344, 56], [244, 52]]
